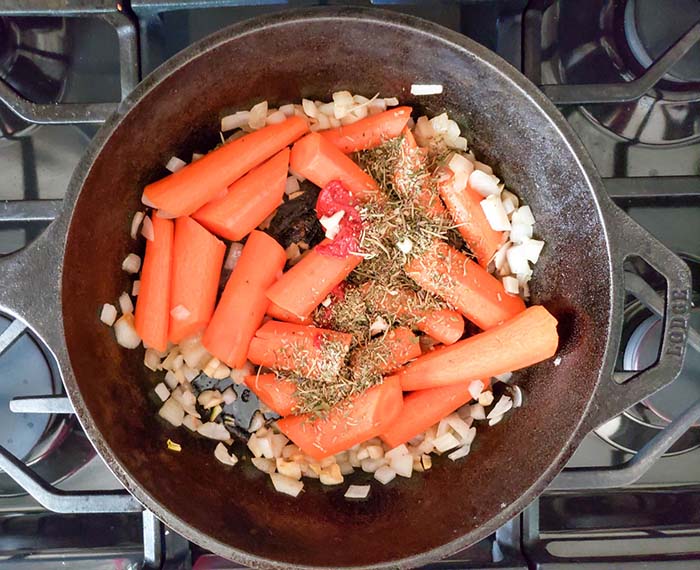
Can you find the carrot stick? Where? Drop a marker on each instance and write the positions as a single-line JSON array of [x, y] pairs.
[[279, 314], [349, 423], [153, 301], [369, 132], [188, 189], [243, 303], [464, 204], [424, 408], [321, 162], [197, 260], [275, 393], [385, 354], [301, 289], [444, 325], [249, 200], [308, 351], [411, 176], [528, 338], [465, 285]]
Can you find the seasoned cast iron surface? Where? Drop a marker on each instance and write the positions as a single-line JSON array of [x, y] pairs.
[[235, 510]]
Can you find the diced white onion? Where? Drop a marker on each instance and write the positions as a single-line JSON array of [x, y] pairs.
[[147, 230], [191, 422], [445, 442], [391, 101], [131, 263], [517, 259], [108, 314], [495, 214], [486, 398], [309, 108], [520, 232], [258, 115], [175, 164], [505, 377], [171, 380], [357, 492], [209, 399], [125, 331], [510, 284], [136, 224], [523, 215], [136, 288], [477, 412], [508, 205], [263, 464], [483, 183], [385, 475], [425, 89], [275, 118], [213, 430], [475, 388], [171, 411], [398, 451], [162, 391], [460, 452], [460, 427], [499, 258], [462, 168], [332, 223], [222, 371], [180, 313], [288, 109], [222, 454], [197, 155], [532, 248], [151, 359], [126, 305], [234, 252], [288, 468], [371, 465], [503, 405], [235, 121], [402, 465], [424, 131], [286, 485], [343, 103], [517, 396]]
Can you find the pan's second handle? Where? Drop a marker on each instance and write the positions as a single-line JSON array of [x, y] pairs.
[[627, 239]]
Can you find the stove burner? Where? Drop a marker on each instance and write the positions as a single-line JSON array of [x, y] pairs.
[[33, 62], [642, 340], [610, 41], [54, 446]]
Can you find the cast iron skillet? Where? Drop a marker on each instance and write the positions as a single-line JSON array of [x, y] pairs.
[[58, 284]]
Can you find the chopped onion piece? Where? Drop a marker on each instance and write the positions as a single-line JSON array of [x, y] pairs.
[[398, 451], [343, 103], [258, 115], [238, 374], [391, 101], [494, 421], [385, 475], [171, 380], [235, 121], [483, 183], [222, 454], [378, 326], [171, 411], [209, 398], [126, 305], [287, 109], [425, 89], [508, 205], [222, 371], [279, 441], [234, 252], [131, 263], [460, 427], [523, 215], [402, 465], [477, 412], [424, 131], [517, 259], [475, 388], [503, 405], [332, 223], [151, 359], [357, 492], [257, 422], [180, 313], [499, 258], [291, 186], [175, 164], [309, 108], [505, 377], [486, 398], [275, 118], [532, 249], [162, 391], [495, 214], [445, 442], [263, 464], [520, 232], [371, 465], [136, 288], [460, 452], [511, 285], [147, 229], [125, 331], [517, 396], [136, 224], [327, 108], [286, 485], [375, 451], [288, 468], [213, 430], [108, 314]]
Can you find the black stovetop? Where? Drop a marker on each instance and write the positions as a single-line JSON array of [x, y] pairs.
[[589, 57]]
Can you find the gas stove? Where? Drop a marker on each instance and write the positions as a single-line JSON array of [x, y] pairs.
[[626, 75]]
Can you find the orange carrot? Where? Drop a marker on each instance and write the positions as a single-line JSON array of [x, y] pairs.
[[243, 303], [364, 417], [188, 189], [464, 204], [249, 200], [369, 132], [386, 353], [444, 325], [424, 408], [411, 176], [465, 285], [298, 348], [528, 338], [153, 301], [197, 260], [301, 289], [280, 314], [276, 394], [321, 162]]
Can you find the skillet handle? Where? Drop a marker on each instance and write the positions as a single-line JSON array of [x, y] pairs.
[[623, 390]]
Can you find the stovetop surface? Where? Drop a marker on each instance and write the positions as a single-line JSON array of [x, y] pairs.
[[657, 519]]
